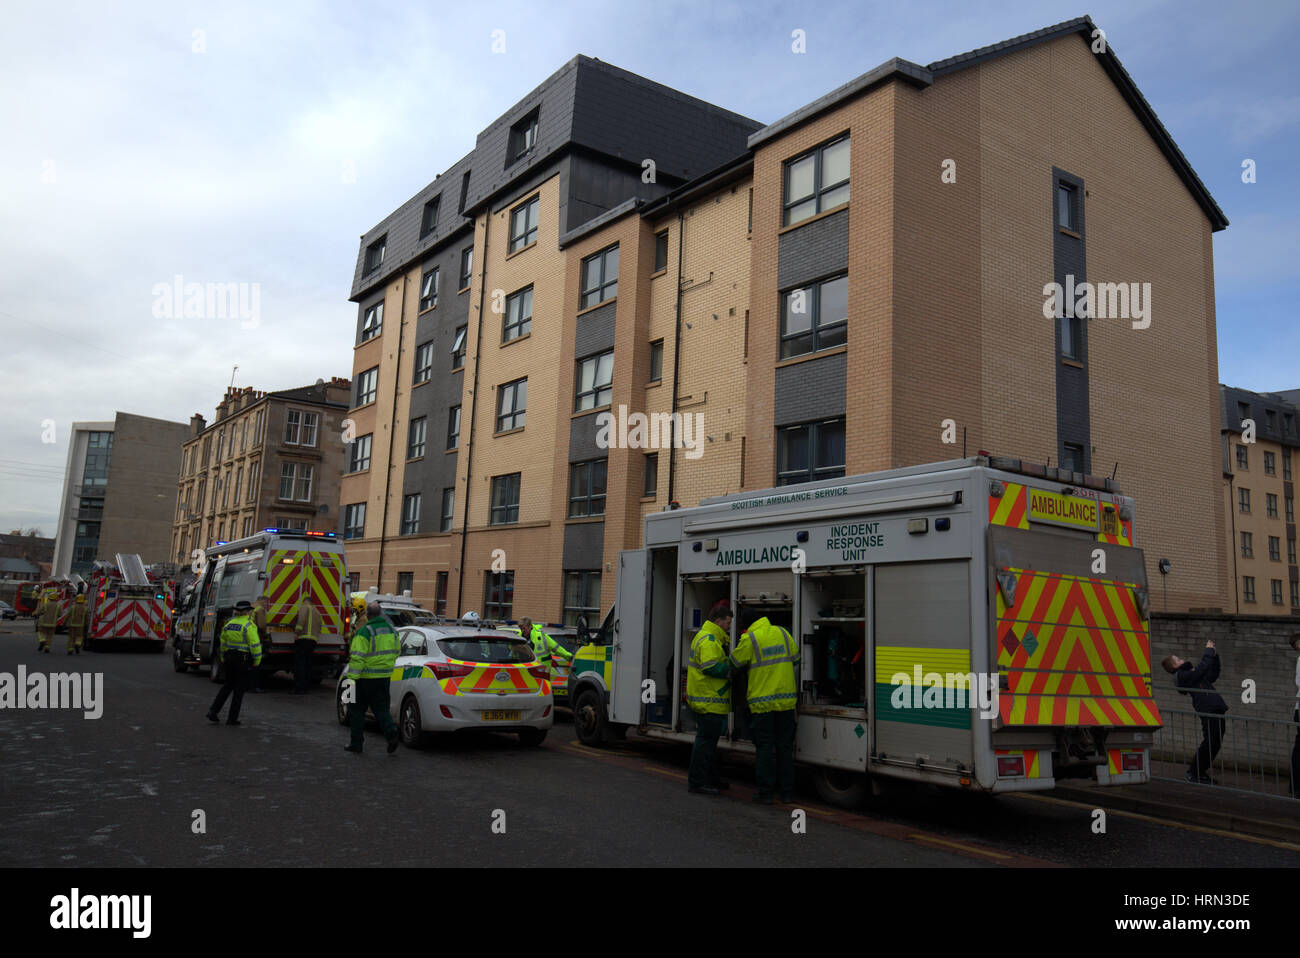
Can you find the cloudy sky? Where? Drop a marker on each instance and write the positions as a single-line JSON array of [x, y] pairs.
[[253, 144]]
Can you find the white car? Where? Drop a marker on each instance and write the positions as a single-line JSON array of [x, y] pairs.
[[451, 678]]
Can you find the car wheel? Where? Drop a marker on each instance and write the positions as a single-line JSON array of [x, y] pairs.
[[532, 736], [340, 706], [589, 718], [841, 788], [178, 660], [409, 725]]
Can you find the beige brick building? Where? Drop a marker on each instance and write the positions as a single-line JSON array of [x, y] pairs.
[[1261, 449], [268, 460], [829, 296]]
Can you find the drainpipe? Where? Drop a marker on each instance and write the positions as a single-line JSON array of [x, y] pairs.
[[392, 428], [473, 409], [677, 358], [1232, 514]]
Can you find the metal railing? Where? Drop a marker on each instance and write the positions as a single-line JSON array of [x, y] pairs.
[[1254, 754]]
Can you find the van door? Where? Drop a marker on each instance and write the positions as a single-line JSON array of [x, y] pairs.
[[326, 575], [631, 623]]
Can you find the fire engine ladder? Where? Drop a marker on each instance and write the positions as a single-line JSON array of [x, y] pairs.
[[132, 569]]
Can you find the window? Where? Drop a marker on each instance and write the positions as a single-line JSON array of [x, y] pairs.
[[815, 317], [505, 500], [430, 220], [498, 595], [1275, 548], [1067, 206], [587, 488], [453, 427], [1276, 590], [1243, 458], [354, 520], [1286, 464], [239, 484], [523, 137], [523, 224], [1288, 423], [1270, 504], [405, 582], [581, 597], [1295, 594], [661, 250], [1290, 509], [440, 594], [292, 426], [295, 481], [1243, 411], [1290, 550], [288, 522], [651, 487], [1070, 329], [373, 322], [359, 459], [429, 290], [466, 266], [1243, 500], [411, 514], [415, 438], [1270, 464], [1270, 416], [424, 363], [519, 314], [243, 438], [1248, 588], [368, 386], [599, 277], [225, 489], [458, 348], [817, 181], [657, 360], [464, 192], [221, 531], [811, 451], [1072, 457], [248, 526], [375, 254], [309, 420], [252, 482], [595, 381], [1247, 545], [448, 509], [512, 398]]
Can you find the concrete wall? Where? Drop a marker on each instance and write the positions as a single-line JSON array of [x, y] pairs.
[[141, 500]]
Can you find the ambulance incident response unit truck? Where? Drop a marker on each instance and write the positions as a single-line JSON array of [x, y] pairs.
[[289, 567], [978, 623]]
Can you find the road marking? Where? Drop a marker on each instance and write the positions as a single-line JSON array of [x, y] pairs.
[[930, 839], [1206, 829]]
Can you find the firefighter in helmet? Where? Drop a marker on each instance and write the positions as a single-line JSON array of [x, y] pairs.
[[77, 624], [47, 619]]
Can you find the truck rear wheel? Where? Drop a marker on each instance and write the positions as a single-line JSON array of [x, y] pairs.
[[842, 789], [178, 659], [589, 718]]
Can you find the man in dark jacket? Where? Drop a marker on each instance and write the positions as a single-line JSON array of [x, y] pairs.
[[1209, 706]]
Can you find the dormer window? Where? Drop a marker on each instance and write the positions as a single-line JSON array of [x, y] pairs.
[[523, 137]]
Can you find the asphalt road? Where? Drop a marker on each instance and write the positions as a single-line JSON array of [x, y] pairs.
[[125, 790]]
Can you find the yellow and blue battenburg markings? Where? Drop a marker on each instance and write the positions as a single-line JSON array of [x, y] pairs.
[[946, 663]]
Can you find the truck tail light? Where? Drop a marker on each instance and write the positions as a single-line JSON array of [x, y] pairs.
[[1011, 766]]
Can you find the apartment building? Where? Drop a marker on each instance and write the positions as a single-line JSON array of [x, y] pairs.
[[118, 491], [1261, 449], [861, 285], [268, 459]]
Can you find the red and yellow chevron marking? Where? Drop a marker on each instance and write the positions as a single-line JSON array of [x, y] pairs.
[[483, 679], [314, 576], [284, 573], [1011, 508], [1031, 760], [1075, 651], [327, 574], [1115, 759], [130, 617]]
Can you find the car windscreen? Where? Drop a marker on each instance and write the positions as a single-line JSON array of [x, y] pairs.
[[495, 650], [567, 639]]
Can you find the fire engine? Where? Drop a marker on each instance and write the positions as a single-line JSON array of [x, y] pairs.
[[125, 606]]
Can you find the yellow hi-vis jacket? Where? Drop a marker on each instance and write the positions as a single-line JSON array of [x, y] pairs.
[[239, 634], [771, 654], [544, 646], [708, 687], [307, 625], [77, 618], [374, 650], [49, 608]]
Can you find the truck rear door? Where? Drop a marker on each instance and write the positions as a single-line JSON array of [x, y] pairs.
[[327, 578], [631, 622]]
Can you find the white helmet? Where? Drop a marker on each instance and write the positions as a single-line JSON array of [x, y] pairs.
[[470, 618]]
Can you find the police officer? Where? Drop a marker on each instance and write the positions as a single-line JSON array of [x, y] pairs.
[[306, 630], [47, 619], [77, 624], [771, 654], [260, 607], [708, 693], [241, 651], [374, 652], [544, 647]]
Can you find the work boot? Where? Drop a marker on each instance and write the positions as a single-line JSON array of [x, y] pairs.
[[392, 742], [232, 721], [352, 748], [214, 717]]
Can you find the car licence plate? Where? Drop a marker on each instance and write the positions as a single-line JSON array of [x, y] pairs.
[[501, 715]]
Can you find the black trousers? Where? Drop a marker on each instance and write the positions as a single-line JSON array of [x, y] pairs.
[[240, 674], [703, 770], [774, 744], [1212, 727], [302, 650]]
